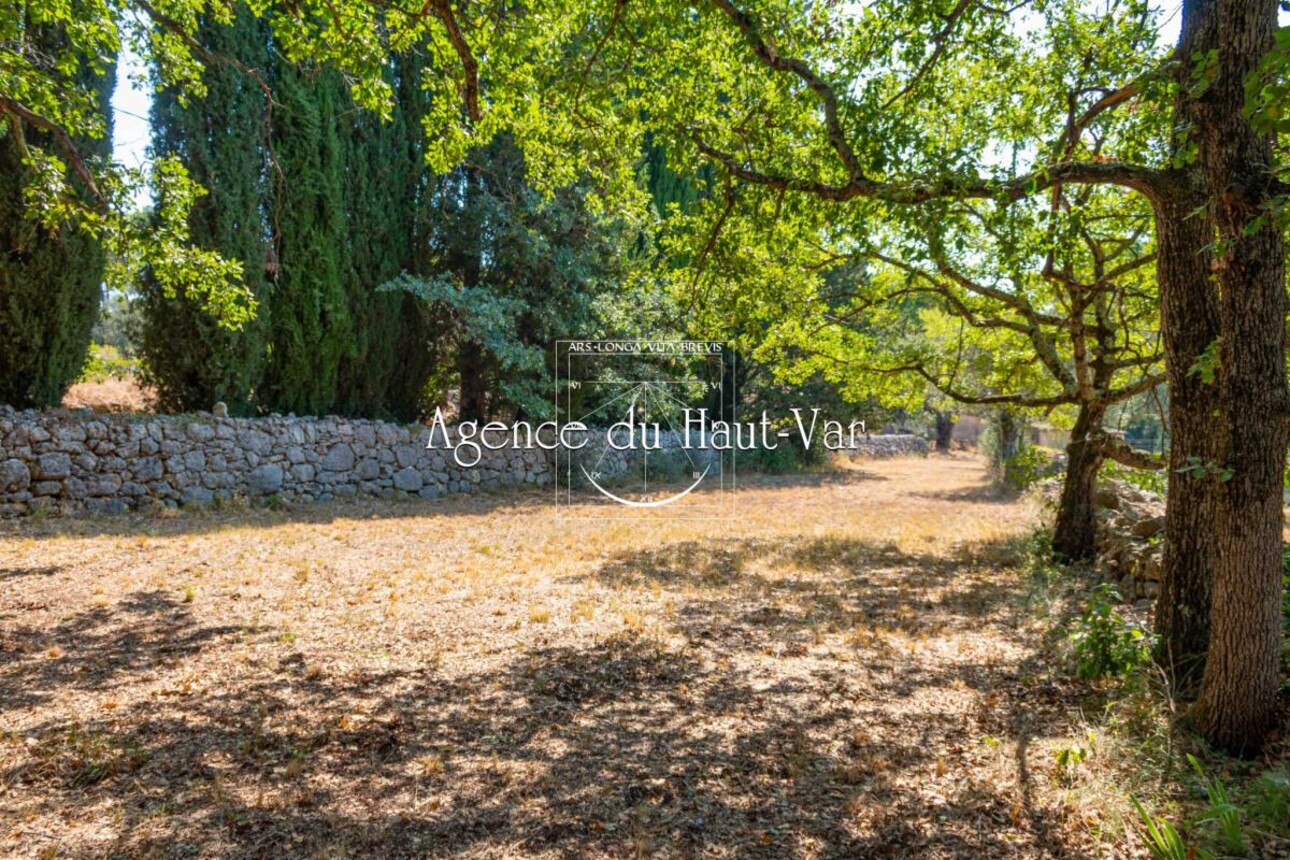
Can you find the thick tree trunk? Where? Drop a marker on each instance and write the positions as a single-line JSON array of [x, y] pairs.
[[944, 430], [1238, 694], [1189, 322], [1075, 534]]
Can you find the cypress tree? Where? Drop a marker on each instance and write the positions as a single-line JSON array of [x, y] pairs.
[[384, 370], [419, 326], [378, 247], [191, 360], [669, 189], [320, 227], [50, 279], [311, 329]]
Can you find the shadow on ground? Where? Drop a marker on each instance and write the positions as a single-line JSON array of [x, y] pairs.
[[984, 494], [505, 500], [624, 747]]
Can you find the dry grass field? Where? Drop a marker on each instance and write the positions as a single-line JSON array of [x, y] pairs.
[[853, 666], [110, 395]]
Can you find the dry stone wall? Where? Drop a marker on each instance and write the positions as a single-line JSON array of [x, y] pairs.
[[70, 461], [889, 445], [1130, 535], [73, 461], [1130, 539]]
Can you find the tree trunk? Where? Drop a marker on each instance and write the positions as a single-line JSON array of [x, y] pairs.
[[1189, 322], [472, 368], [1239, 690], [944, 430], [1007, 442], [1075, 534]]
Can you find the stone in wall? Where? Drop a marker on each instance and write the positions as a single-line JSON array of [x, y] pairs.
[[72, 461], [1130, 535]]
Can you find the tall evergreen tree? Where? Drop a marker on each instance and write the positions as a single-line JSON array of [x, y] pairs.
[[189, 357], [311, 328], [670, 191], [51, 278], [377, 193], [418, 358], [510, 272], [388, 363], [320, 201]]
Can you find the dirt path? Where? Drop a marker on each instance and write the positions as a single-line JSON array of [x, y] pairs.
[[846, 669]]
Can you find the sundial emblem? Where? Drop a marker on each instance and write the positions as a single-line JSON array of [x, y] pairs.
[[647, 386]]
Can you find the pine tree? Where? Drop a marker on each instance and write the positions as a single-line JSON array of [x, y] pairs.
[[191, 360], [510, 273], [50, 279]]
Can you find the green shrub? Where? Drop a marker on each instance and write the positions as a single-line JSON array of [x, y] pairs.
[[788, 458], [1028, 465], [1269, 801], [106, 362], [783, 460], [663, 466], [1221, 811], [1105, 642]]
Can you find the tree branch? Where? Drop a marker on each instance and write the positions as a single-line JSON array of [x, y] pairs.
[[1066, 143], [469, 65], [771, 57], [1115, 448], [176, 28], [619, 6], [64, 140], [1142, 179], [939, 41]]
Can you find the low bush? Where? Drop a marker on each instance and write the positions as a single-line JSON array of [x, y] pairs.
[[1105, 642]]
